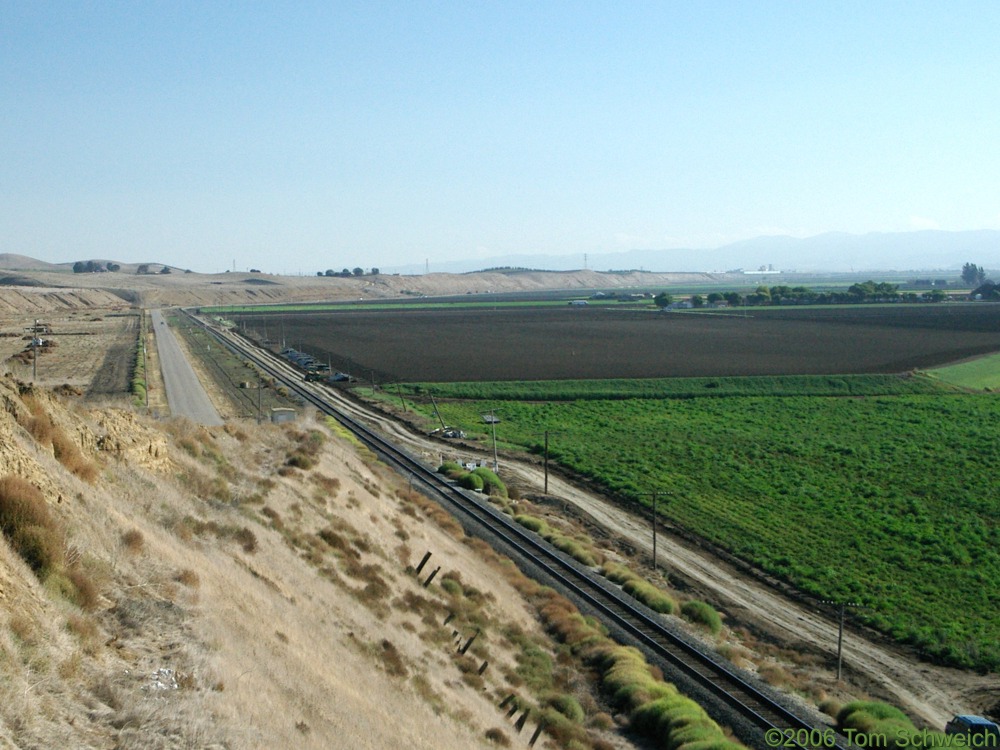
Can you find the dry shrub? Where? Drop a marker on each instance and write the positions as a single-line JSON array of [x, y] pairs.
[[29, 526], [831, 706], [236, 432], [247, 539], [133, 541], [188, 578], [84, 628], [274, 516], [23, 628], [392, 660], [85, 593], [442, 518], [497, 737], [306, 451], [774, 675], [337, 542], [21, 504], [205, 486]]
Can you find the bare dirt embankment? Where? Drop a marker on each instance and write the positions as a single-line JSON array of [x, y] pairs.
[[164, 585]]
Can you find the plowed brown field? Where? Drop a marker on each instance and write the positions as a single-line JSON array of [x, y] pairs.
[[601, 342]]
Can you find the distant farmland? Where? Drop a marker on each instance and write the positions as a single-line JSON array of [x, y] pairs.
[[601, 342]]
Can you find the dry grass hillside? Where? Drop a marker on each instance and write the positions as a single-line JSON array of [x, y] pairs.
[[168, 586], [163, 585], [53, 287]]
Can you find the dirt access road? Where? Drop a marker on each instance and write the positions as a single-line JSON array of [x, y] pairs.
[[872, 665]]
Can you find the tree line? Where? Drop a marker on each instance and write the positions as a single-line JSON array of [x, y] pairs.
[[864, 292], [347, 272]]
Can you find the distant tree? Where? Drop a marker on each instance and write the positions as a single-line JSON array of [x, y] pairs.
[[359, 271], [87, 266], [869, 291], [113, 266], [374, 272], [715, 298], [733, 298], [973, 275], [330, 272], [319, 273], [937, 295], [987, 290], [79, 267], [346, 272], [663, 299], [165, 269], [697, 300], [142, 268], [761, 296]]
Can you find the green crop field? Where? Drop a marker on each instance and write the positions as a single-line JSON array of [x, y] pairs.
[[982, 373], [877, 489]]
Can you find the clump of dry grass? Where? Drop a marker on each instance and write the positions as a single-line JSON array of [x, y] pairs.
[[497, 737], [133, 541], [188, 578], [305, 451], [392, 660], [31, 529], [190, 526], [39, 538]]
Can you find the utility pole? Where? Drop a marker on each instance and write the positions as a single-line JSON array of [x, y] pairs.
[[260, 388], [842, 609], [34, 352], [655, 495], [546, 490], [545, 463], [493, 424]]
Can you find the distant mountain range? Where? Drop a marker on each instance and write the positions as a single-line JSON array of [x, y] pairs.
[[929, 250]]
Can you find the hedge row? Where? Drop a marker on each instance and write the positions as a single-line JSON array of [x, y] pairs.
[[656, 709]]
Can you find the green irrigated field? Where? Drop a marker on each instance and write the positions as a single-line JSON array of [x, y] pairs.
[[981, 373], [858, 488]]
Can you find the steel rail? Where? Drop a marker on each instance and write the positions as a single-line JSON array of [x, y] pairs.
[[748, 700]]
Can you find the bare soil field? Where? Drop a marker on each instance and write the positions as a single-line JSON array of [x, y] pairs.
[[601, 342], [92, 350]]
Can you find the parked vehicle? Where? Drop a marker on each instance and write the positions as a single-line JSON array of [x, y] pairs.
[[974, 726]]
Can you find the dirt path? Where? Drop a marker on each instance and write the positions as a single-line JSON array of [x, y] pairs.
[[928, 692]]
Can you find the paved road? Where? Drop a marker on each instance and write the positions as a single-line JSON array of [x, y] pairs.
[[185, 394]]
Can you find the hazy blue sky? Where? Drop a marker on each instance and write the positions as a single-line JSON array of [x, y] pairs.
[[296, 137]]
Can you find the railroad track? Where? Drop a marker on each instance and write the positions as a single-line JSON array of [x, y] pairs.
[[756, 715]]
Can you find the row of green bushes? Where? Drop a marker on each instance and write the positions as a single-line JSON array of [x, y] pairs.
[[885, 726], [657, 600], [479, 479], [656, 709], [139, 386]]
